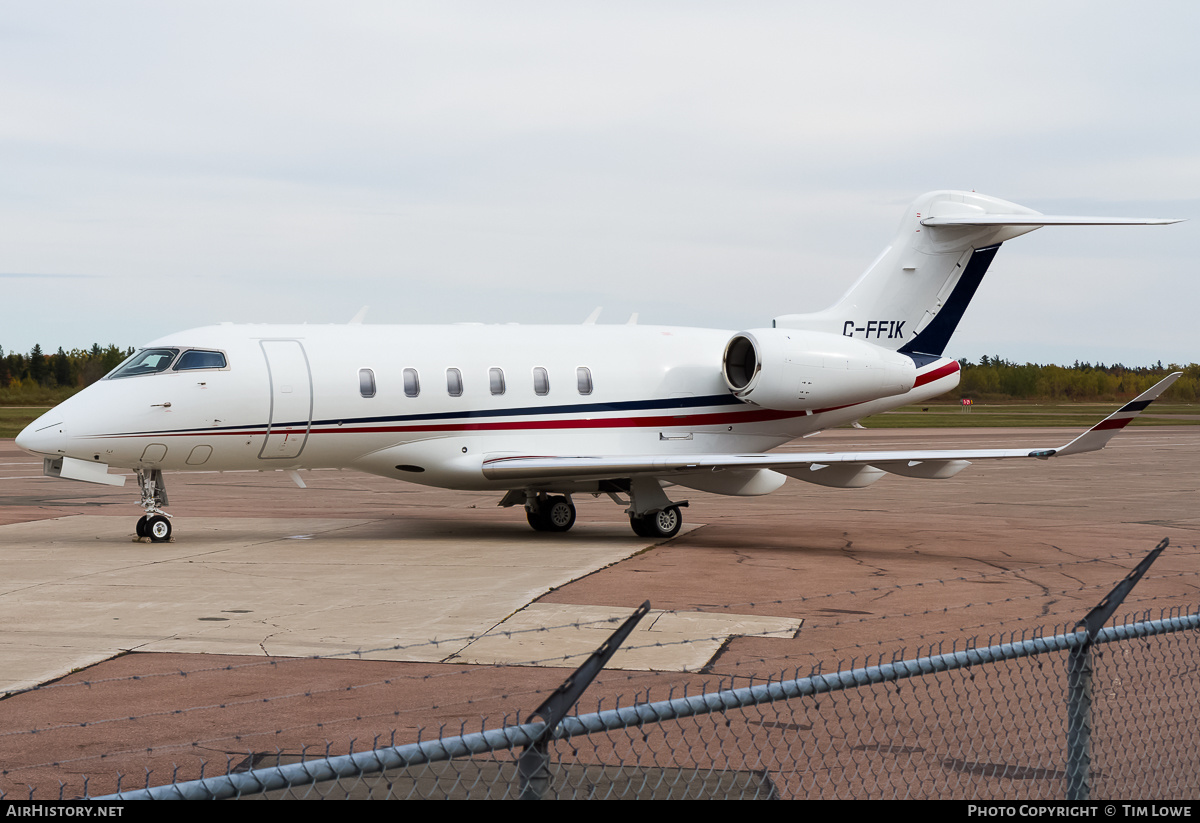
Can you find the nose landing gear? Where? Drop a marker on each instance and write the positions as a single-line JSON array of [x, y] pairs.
[[155, 524]]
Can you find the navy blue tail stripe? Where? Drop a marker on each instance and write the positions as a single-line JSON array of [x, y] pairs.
[[934, 338]]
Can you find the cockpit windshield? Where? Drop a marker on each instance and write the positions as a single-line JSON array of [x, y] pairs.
[[197, 359], [157, 361], [146, 361]]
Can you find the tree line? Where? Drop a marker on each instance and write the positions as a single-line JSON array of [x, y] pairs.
[[994, 379], [38, 377]]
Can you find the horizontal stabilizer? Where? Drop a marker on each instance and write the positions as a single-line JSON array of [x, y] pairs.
[[1044, 220]]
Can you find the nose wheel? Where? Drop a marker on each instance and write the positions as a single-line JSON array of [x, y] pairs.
[[156, 527]]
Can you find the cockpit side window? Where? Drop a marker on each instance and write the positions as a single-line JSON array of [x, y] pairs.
[[197, 359], [146, 361]]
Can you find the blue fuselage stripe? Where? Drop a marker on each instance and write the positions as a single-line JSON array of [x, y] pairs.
[[524, 411]]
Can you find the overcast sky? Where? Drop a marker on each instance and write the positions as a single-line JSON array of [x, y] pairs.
[[169, 165]]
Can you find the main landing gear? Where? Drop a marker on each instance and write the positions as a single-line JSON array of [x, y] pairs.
[[550, 514], [661, 524], [155, 523], [651, 513]]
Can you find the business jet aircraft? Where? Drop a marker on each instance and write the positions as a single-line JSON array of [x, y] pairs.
[[540, 414]]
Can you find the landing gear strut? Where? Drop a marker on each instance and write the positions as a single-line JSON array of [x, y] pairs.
[[155, 523], [550, 514]]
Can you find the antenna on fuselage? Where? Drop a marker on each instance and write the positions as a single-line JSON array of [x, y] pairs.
[[591, 318], [357, 319]]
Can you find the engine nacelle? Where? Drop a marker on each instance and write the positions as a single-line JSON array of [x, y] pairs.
[[795, 370]]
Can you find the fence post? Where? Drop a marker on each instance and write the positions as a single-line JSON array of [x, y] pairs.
[[1079, 681], [1079, 721], [533, 764]]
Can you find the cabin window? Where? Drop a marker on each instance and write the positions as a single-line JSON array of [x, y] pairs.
[[196, 359], [454, 384], [146, 361], [412, 383], [541, 381], [583, 378], [496, 380], [366, 382]]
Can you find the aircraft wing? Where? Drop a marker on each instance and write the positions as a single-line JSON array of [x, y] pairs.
[[841, 469]]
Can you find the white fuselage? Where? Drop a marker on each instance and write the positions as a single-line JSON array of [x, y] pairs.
[[296, 397]]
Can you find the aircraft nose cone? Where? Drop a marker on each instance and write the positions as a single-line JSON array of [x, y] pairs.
[[43, 437]]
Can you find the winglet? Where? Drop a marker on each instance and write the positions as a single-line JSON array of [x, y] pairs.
[[1098, 435]]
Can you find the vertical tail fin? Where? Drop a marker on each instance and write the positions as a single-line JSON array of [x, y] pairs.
[[914, 294]]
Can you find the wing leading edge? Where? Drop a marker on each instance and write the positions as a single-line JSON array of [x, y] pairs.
[[840, 469]]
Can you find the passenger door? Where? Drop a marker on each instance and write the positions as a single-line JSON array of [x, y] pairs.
[[291, 399]]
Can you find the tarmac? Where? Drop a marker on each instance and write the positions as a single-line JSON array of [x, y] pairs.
[[361, 609]]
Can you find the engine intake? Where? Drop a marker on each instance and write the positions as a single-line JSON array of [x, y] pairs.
[[794, 370]]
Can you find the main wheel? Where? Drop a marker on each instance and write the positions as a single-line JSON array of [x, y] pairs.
[[559, 513], [662, 524], [667, 522], [555, 514], [140, 528], [535, 519], [640, 526], [158, 529]]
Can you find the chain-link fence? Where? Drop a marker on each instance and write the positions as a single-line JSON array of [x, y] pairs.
[[986, 721]]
